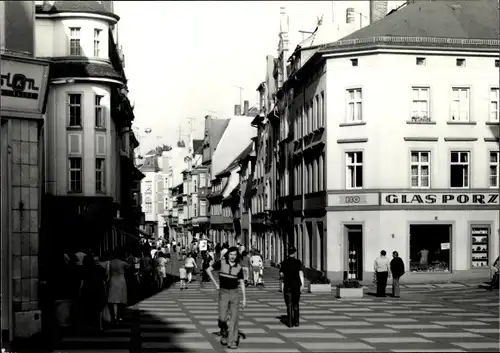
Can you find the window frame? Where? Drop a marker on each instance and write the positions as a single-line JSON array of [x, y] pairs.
[[75, 39], [97, 42], [419, 165], [354, 165], [497, 165], [460, 152], [497, 101], [70, 171], [354, 102], [414, 113], [453, 101], [99, 111], [70, 105], [102, 172]]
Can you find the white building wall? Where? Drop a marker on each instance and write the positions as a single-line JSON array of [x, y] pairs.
[[52, 36], [386, 81]]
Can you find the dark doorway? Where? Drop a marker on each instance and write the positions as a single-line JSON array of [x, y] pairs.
[[354, 252]]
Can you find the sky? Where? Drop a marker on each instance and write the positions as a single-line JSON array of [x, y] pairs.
[[184, 59]]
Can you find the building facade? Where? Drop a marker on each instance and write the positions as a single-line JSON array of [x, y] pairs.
[[435, 199], [24, 83]]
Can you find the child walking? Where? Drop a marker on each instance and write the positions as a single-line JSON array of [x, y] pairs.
[[182, 276]]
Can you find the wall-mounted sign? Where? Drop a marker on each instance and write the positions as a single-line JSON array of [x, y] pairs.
[[23, 84], [352, 200], [441, 199]]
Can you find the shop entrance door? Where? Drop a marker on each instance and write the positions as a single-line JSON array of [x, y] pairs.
[[354, 252]]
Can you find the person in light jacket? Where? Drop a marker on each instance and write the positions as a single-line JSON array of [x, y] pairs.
[[397, 270], [381, 268]]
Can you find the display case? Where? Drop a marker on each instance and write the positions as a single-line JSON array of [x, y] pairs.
[[479, 247]]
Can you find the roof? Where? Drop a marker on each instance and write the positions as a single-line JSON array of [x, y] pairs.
[[78, 68], [245, 153], [197, 145], [236, 138], [96, 7], [151, 153], [464, 19], [150, 164]]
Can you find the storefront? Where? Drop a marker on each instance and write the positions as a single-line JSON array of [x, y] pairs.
[[23, 101], [439, 235]]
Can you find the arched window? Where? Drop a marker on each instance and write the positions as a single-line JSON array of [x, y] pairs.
[[321, 179]]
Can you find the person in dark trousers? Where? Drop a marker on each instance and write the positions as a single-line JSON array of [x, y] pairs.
[[381, 268], [230, 277], [397, 270], [494, 277], [292, 277]]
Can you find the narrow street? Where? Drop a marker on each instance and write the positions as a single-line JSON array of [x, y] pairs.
[[441, 318]]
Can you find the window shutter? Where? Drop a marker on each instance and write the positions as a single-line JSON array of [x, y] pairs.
[[100, 145], [75, 144]]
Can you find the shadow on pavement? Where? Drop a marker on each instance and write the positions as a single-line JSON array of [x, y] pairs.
[[283, 319]]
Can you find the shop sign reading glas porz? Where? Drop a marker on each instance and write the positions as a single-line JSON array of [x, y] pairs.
[[440, 199]]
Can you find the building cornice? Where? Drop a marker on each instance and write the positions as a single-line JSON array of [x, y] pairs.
[[113, 19], [72, 80]]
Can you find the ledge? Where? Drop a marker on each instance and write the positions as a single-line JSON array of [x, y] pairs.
[[352, 124], [460, 139], [492, 123], [362, 140], [74, 128], [410, 122], [461, 122], [84, 69], [421, 139], [491, 139]]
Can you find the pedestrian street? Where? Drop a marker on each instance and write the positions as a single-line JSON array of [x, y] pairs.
[[440, 320]]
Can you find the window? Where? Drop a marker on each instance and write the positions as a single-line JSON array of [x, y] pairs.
[[203, 208], [460, 104], [195, 184], [420, 169], [323, 112], [354, 172], [75, 175], [494, 173], [97, 42], [320, 174], [317, 112], [75, 109], [494, 104], [307, 119], [461, 62], [420, 61], [148, 205], [430, 248], [354, 62], [74, 41], [459, 169], [99, 116], [202, 180], [354, 107], [420, 104], [99, 174]]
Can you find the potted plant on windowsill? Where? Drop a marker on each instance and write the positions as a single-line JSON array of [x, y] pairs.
[[350, 288], [320, 284]]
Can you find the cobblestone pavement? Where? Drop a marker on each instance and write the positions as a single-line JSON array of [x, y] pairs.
[[439, 319]]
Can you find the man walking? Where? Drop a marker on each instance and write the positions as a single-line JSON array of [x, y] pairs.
[[292, 276], [397, 270], [381, 268], [230, 276]]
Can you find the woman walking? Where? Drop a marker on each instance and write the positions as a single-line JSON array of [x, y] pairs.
[[161, 270], [117, 286], [190, 265]]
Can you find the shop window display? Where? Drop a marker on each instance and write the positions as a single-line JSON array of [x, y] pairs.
[[480, 246], [430, 248]]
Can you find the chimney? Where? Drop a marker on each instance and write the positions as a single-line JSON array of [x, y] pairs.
[[246, 107], [378, 10], [237, 109]]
